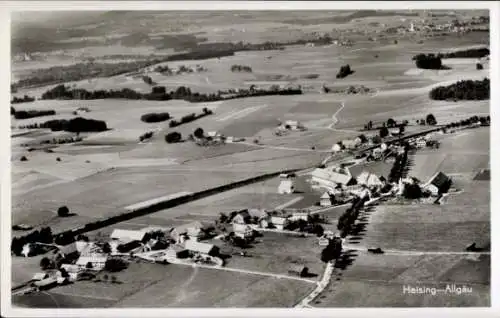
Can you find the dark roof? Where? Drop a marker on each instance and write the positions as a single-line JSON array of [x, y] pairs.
[[440, 180]]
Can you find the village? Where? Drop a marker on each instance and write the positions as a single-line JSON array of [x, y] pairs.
[[199, 243]]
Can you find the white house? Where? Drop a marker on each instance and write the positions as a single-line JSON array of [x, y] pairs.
[[325, 200], [242, 230], [302, 215], [194, 230], [336, 148], [96, 262], [286, 187], [421, 143], [279, 222]]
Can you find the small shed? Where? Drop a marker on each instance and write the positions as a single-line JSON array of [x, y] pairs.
[[299, 270], [325, 200], [286, 187]]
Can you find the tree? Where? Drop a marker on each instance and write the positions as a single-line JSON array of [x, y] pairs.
[[113, 279], [391, 123], [199, 133], [363, 138], [479, 66], [412, 191], [401, 129], [383, 132], [12, 110], [106, 248], [89, 265], [431, 120], [63, 211], [173, 137], [115, 265], [64, 272], [45, 263]]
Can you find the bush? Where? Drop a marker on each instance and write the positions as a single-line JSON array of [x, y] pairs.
[[463, 90], [199, 133], [159, 90], [241, 68], [344, 71], [479, 66], [428, 61], [148, 80], [12, 110], [23, 158], [391, 123], [155, 117], [383, 132], [63, 211], [173, 137]]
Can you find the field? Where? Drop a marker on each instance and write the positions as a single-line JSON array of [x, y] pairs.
[[107, 171]]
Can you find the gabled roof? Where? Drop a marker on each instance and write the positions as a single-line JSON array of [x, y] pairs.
[[40, 276], [198, 246], [368, 178], [325, 195], [83, 260], [278, 219], [439, 180], [69, 249], [127, 235], [193, 225], [332, 176]]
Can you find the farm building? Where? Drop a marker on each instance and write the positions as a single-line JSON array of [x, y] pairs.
[[177, 251], [439, 183], [336, 148], [242, 217], [421, 143], [294, 125], [201, 248], [126, 236], [242, 230], [46, 283], [325, 199], [194, 230], [286, 187], [70, 251], [299, 215], [40, 276], [92, 262], [71, 268], [279, 222], [351, 144], [299, 270], [330, 177], [369, 179]]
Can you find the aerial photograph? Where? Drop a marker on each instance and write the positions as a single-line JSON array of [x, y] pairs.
[[250, 159]]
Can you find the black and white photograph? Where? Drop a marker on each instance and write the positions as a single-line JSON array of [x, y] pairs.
[[249, 158]]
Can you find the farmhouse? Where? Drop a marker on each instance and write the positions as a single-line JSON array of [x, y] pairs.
[[325, 199], [330, 177], [286, 187], [194, 230], [294, 125], [369, 179], [242, 230], [92, 262], [299, 215], [201, 248], [279, 222], [437, 184]]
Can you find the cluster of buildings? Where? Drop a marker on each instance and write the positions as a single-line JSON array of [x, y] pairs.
[[289, 125], [246, 222]]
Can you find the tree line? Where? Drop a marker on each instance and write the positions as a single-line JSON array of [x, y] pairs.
[[159, 93], [463, 90], [26, 114], [75, 125], [25, 99], [189, 118], [470, 53]]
